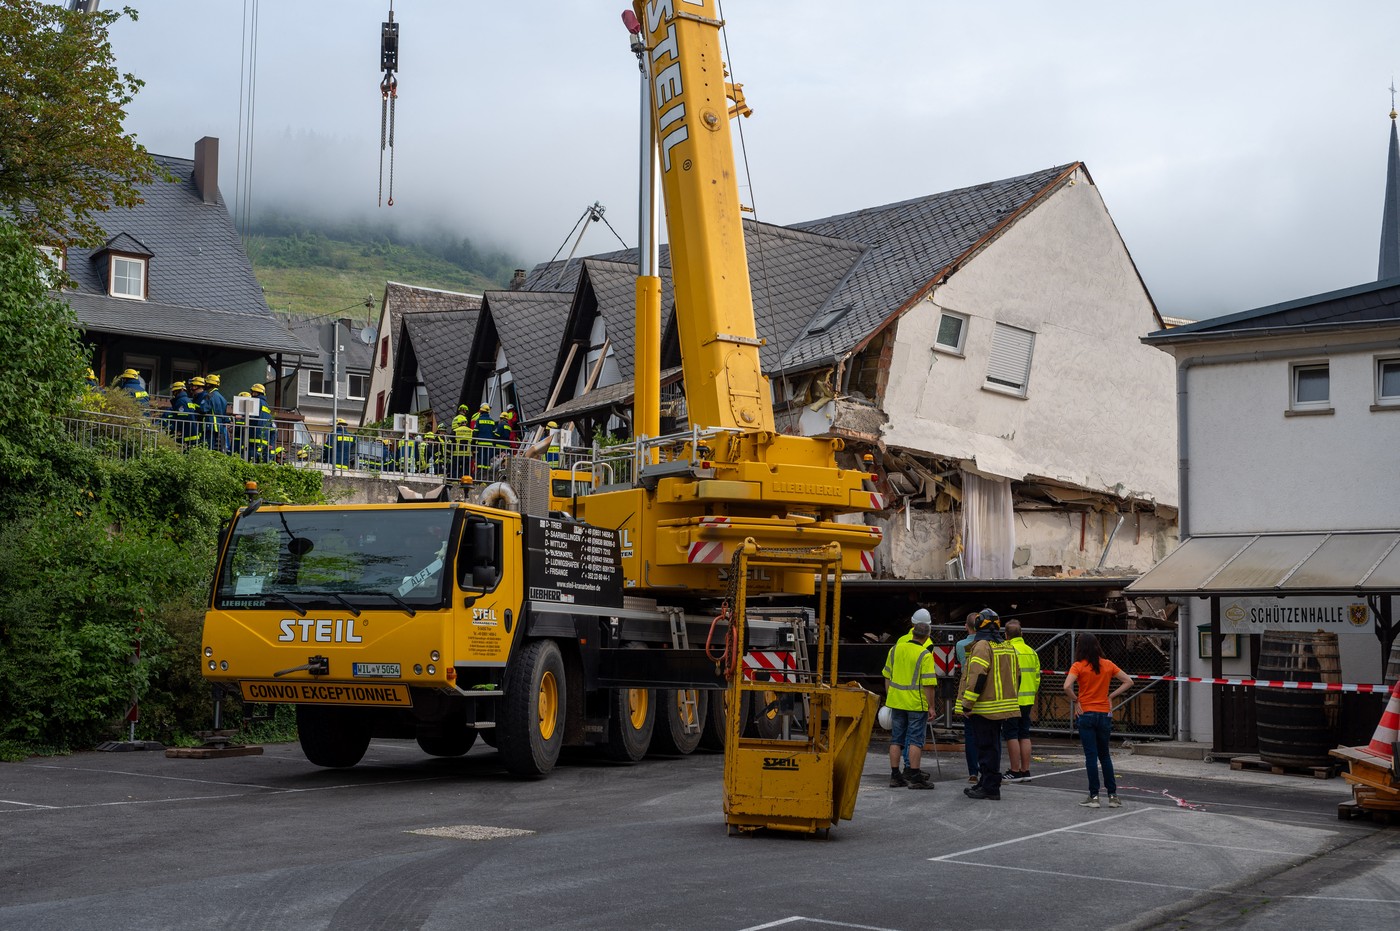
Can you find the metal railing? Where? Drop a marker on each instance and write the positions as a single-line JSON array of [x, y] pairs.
[[1145, 711]]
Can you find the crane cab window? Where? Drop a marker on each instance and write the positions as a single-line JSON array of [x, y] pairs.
[[479, 560]]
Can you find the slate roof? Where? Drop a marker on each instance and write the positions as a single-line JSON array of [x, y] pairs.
[[1370, 304], [871, 264], [403, 299], [201, 287], [527, 325], [910, 245], [440, 341]]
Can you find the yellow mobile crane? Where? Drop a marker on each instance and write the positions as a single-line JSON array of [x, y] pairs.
[[496, 617]]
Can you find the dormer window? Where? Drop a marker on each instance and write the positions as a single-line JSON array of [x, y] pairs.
[[128, 278], [125, 262]]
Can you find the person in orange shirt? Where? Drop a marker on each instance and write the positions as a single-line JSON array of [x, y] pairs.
[[1093, 706]]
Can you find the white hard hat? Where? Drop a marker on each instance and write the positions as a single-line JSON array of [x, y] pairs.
[[885, 718], [921, 618]]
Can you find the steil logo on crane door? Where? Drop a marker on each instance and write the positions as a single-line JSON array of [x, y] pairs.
[[322, 630]]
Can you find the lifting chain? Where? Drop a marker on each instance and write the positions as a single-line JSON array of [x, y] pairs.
[[389, 97]]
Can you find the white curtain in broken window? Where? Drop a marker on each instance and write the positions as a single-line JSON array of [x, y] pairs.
[[989, 536]]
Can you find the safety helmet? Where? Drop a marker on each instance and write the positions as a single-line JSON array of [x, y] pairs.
[[177, 386], [212, 381], [197, 381], [885, 717], [463, 407], [243, 394], [340, 420], [552, 425], [129, 373], [921, 618], [485, 407], [259, 389], [987, 618]]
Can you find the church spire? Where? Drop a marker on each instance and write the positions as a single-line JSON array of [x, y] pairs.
[[1390, 215]]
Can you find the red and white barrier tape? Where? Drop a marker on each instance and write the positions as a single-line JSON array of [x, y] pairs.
[[1256, 683]]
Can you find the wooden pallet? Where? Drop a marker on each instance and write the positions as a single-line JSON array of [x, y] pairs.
[[1324, 771], [1346, 811], [211, 753]]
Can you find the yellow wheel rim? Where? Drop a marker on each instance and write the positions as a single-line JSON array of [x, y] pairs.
[[770, 705], [637, 708], [548, 705]]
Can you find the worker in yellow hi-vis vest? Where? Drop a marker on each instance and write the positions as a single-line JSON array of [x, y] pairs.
[[1017, 730], [910, 684], [988, 695]]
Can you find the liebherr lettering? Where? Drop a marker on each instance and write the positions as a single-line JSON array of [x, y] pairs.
[[318, 630]]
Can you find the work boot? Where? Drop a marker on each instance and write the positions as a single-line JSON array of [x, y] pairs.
[[979, 792], [897, 780], [918, 779]]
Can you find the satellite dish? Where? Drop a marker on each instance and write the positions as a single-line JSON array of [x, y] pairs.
[[368, 335]]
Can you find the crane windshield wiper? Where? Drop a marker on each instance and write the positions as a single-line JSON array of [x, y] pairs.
[[343, 600], [288, 602], [408, 609]]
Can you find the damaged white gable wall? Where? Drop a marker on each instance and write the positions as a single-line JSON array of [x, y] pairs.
[[1098, 409]]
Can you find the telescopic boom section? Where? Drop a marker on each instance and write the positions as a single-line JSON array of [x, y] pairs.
[[724, 383]]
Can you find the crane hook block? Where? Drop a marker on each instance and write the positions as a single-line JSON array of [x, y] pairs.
[[389, 45]]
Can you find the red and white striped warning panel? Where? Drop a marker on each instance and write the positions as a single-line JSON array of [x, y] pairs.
[[708, 551], [945, 660], [867, 561], [774, 663]]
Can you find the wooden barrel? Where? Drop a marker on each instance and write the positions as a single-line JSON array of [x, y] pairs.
[[1392, 668], [1297, 726]]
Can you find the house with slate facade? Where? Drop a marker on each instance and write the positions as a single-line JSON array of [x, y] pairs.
[[415, 395], [982, 344], [171, 293]]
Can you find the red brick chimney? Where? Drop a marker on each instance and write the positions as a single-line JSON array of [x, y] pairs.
[[206, 169]]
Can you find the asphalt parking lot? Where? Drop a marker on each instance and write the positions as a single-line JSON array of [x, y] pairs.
[[138, 840]]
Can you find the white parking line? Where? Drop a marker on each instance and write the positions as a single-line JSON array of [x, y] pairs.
[[819, 921], [7, 801], [1020, 840], [1188, 843], [123, 772]]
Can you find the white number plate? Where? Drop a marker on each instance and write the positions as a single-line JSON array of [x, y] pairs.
[[375, 670]]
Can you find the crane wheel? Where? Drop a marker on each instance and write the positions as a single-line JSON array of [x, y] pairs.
[[717, 720], [333, 736], [531, 727], [680, 724], [447, 739]]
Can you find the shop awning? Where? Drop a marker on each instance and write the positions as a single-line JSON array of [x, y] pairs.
[[1355, 562]]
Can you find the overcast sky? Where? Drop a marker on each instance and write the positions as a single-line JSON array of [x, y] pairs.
[[1240, 147]]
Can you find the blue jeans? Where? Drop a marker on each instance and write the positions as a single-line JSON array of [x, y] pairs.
[[1094, 728]]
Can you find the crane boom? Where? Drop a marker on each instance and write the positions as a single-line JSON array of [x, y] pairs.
[[725, 386]]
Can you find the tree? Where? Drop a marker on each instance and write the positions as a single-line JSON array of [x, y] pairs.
[[41, 367], [63, 153]]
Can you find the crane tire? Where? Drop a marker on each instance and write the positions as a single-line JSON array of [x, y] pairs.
[[454, 739], [332, 736], [717, 720], [631, 721], [531, 728], [670, 736]]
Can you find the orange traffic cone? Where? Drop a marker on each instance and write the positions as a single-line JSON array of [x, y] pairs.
[[1388, 731]]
